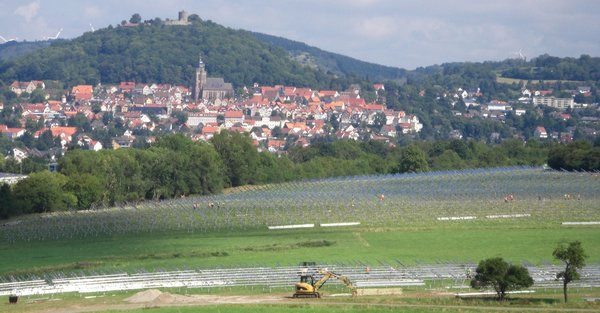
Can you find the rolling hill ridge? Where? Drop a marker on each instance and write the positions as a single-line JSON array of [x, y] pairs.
[[333, 62], [163, 54]]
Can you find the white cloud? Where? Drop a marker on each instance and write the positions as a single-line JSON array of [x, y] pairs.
[[360, 2], [376, 27], [92, 11], [3, 10], [28, 11]]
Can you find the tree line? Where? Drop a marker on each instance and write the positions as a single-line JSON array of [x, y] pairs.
[[546, 67], [576, 156], [175, 166]]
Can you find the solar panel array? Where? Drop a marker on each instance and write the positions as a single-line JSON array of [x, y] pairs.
[[467, 196], [437, 275]]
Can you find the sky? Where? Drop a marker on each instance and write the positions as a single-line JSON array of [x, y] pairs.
[[401, 33]]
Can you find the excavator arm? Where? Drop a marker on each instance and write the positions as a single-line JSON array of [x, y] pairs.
[[323, 280], [327, 275]]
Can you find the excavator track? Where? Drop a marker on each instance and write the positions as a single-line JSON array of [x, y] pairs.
[[307, 295]]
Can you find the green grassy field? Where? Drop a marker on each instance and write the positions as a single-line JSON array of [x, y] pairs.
[[460, 242]]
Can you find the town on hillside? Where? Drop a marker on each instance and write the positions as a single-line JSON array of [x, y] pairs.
[[276, 117]]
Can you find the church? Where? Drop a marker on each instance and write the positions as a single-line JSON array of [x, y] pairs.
[[209, 88]]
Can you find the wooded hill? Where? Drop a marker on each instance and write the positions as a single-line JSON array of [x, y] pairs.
[[163, 54], [15, 49], [154, 52], [235, 44]]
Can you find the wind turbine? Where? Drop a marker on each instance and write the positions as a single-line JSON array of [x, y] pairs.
[[55, 37], [520, 55], [92, 27], [8, 40]]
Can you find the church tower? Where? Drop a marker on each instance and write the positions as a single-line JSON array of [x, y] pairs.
[[199, 80]]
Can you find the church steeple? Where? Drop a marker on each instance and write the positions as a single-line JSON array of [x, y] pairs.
[[209, 89], [199, 80]]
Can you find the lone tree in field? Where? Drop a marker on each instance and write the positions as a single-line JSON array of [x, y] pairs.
[[574, 258], [501, 276]]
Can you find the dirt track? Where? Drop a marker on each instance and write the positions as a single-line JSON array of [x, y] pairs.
[[155, 298]]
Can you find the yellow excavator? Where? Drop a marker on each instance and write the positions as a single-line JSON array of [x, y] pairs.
[[308, 288]]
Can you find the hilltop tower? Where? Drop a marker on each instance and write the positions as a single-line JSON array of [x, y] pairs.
[[199, 80], [183, 20], [183, 16]]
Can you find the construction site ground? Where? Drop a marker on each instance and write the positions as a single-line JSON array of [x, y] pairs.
[[413, 301]]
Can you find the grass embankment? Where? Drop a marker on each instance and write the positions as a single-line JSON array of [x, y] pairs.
[[458, 242]]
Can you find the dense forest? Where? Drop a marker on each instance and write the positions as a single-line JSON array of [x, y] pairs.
[[14, 49], [176, 166], [164, 54], [325, 61]]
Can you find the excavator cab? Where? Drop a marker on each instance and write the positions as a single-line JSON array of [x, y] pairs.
[[309, 279], [306, 287]]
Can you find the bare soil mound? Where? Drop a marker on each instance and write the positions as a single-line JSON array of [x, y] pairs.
[[158, 297], [144, 296]]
